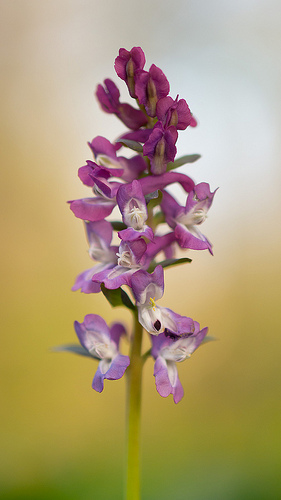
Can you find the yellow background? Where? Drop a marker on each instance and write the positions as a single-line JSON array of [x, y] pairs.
[[60, 439]]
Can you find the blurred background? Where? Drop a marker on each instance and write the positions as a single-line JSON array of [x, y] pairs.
[[60, 439]]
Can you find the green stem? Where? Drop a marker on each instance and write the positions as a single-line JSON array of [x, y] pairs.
[[133, 414]]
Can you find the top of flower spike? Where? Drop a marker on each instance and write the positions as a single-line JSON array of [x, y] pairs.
[[126, 65]]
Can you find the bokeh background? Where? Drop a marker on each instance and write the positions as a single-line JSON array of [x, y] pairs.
[[60, 439]]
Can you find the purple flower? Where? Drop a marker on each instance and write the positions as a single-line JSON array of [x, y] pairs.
[[162, 243], [167, 352], [108, 97], [102, 343], [160, 148], [99, 235], [132, 205], [141, 135], [173, 113], [97, 177], [153, 182], [147, 289], [102, 147], [184, 220], [88, 172], [150, 86], [105, 156], [131, 257], [127, 64], [92, 209]]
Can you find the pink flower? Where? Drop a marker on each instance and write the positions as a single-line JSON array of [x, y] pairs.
[[102, 342], [167, 351]]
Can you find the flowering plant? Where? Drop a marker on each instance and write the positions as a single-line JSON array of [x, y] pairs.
[[137, 185]]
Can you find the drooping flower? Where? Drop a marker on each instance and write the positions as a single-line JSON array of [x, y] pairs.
[[167, 351], [184, 220], [102, 342]]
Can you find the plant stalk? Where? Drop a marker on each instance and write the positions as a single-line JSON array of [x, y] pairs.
[[134, 381]]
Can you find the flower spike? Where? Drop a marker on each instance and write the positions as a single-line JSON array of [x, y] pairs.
[[135, 227]]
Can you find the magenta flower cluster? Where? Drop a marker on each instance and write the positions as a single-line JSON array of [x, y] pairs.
[[134, 248]]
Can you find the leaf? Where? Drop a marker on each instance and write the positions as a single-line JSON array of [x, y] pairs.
[[134, 145], [182, 161], [146, 355], [75, 348], [169, 263], [207, 339], [117, 297], [118, 225], [113, 296], [127, 301], [174, 262]]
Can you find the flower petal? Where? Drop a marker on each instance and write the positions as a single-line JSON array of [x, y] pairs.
[[116, 332], [131, 234], [162, 381], [92, 209], [117, 367], [98, 379], [102, 146], [167, 380], [146, 285], [131, 202], [188, 240], [153, 182], [93, 327], [84, 281]]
